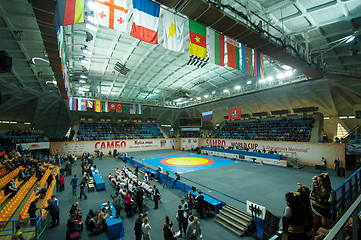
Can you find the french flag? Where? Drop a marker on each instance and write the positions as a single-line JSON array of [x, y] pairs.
[[146, 18], [207, 116]]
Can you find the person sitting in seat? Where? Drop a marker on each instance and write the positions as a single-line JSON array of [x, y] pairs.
[[74, 225], [39, 190], [11, 188]]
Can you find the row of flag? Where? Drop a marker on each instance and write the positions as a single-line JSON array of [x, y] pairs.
[[115, 14], [233, 113], [83, 105]]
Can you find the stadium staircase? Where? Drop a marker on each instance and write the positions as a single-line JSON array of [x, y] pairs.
[[234, 219]]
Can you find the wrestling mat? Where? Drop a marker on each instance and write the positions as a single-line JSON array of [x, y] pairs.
[[187, 163]]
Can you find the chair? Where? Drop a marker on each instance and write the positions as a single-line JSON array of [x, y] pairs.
[[91, 185]]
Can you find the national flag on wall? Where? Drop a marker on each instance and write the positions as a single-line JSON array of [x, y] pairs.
[[68, 12], [98, 106], [197, 39], [90, 104], [112, 14], [82, 104], [234, 113], [146, 18], [233, 54], [207, 116], [258, 64], [72, 104], [132, 108], [139, 109], [173, 26], [216, 47], [119, 107], [105, 106], [112, 105], [247, 60]]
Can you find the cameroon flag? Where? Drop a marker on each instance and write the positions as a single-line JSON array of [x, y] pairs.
[[68, 12], [197, 39]]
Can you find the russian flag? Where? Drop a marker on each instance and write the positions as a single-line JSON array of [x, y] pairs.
[[146, 18], [207, 116], [72, 104]]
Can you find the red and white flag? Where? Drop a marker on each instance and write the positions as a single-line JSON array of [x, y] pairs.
[[112, 105], [113, 14]]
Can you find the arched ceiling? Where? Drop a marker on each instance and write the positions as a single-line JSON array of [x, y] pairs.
[[317, 29]]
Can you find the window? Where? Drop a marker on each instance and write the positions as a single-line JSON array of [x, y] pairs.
[[341, 131]]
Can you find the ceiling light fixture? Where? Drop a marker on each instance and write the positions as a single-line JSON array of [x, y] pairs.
[[199, 98], [83, 76], [270, 79], [351, 116], [91, 27], [289, 73], [262, 80], [225, 90], [86, 51], [84, 61], [249, 82], [82, 81], [343, 117], [350, 38], [280, 76], [214, 92], [237, 87], [286, 67], [206, 96], [27, 123]]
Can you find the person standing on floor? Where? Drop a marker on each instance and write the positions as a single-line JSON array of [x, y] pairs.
[[74, 183], [32, 211], [145, 229], [62, 183], [194, 230], [156, 196], [200, 200], [138, 226], [54, 213], [82, 186], [139, 199]]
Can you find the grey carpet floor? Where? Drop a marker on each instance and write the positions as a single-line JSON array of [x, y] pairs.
[[233, 184]]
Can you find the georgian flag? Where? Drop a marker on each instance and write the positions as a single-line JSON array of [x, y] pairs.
[[113, 14]]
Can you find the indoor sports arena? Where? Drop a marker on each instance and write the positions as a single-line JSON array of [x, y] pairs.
[[180, 119]]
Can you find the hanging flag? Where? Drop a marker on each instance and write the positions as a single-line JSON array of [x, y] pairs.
[[197, 39], [146, 18], [119, 107], [233, 54], [173, 31], [140, 109], [234, 113], [82, 105], [105, 106], [68, 12], [125, 108], [112, 105], [247, 60], [72, 104], [132, 108], [90, 103], [98, 106], [112, 14], [207, 116], [60, 37], [258, 64], [216, 47]]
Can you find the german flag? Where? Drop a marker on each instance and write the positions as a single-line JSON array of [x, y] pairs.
[[197, 39], [68, 12]]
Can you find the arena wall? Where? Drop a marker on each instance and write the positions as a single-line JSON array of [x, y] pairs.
[[307, 153]]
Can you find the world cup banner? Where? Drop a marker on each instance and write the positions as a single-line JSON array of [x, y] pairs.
[[80, 147]]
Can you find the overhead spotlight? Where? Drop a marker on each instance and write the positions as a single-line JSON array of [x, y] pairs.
[[225, 90], [237, 87], [280, 76], [288, 73], [214, 92], [350, 38], [83, 76], [249, 82], [270, 79], [91, 5], [86, 50], [206, 96], [91, 27], [82, 81], [286, 67], [199, 98], [89, 37], [92, 19]]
